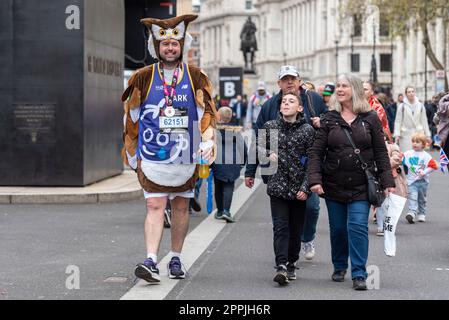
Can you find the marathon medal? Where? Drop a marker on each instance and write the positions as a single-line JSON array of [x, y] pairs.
[[170, 112]]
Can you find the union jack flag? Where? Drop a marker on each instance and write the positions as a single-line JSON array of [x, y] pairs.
[[444, 161]]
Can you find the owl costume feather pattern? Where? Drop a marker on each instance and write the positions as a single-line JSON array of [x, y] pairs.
[[139, 88]]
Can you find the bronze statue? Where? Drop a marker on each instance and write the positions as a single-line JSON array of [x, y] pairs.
[[249, 43]]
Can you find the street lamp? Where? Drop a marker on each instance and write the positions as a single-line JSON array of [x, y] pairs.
[[373, 73], [392, 77], [352, 42], [336, 60], [351, 67], [425, 61]]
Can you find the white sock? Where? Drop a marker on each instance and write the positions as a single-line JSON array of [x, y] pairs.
[[174, 254], [153, 257]]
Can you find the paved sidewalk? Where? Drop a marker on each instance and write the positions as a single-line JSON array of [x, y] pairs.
[[124, 187]]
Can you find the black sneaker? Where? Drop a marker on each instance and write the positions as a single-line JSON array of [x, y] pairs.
[[227, 216], [339, 275], [167, 218], [359, 284], [291, 271], [218, 214], [195, 204], [175, 269], [148, 271], [281, 275]]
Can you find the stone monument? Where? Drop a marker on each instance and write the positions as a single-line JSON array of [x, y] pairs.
[[61, 79]]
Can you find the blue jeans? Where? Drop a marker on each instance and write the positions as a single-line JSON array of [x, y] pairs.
[[417, 196], [223, 194], [349, 235], [311, 218]]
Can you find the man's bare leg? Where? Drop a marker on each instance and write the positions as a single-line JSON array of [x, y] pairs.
[[154, 227], [180, 222], [179, 228], [154, 224]]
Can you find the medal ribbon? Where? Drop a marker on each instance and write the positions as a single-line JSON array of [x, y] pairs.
[[169, 93]]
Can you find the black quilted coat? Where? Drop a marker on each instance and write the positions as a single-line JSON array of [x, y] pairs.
[[335, 166], [293, 142]]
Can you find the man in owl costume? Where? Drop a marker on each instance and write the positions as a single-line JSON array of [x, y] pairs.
[[169, 111]]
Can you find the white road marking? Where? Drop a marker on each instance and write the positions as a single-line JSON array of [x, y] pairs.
[[197, 241]]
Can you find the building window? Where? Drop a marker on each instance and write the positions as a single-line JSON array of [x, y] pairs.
[[384, 27], [355, 62], [248, 4], [357, 25], [385, 62]]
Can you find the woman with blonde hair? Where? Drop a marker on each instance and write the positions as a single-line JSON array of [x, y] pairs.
[[336, 174]]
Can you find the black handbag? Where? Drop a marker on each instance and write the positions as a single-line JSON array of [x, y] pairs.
[[376, 195]]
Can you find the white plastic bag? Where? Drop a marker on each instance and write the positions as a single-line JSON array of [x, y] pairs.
[[392, 208]]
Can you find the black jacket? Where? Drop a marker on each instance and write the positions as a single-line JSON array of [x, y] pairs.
[[292, 144], [335, 166], [270, 111]]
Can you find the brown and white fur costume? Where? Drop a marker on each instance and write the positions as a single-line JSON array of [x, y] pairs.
[[138, 88]]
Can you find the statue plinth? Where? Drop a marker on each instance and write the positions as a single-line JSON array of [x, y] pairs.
[[62, 118], [249, 63]]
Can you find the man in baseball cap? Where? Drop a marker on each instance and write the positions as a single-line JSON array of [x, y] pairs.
[[329, 90], [288, 71]]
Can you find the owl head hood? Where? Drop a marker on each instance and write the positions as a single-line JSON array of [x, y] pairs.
[[174, 28]]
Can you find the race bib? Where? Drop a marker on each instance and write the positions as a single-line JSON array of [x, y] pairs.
[[174, 123], [178, 122]]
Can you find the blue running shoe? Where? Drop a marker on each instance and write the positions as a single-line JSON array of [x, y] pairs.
[[148, 271], [175, 269]]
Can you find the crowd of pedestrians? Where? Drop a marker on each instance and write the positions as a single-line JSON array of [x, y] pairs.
[[309, 141], [392, 137]]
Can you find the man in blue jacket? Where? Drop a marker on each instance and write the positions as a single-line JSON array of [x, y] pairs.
[[290, 80]]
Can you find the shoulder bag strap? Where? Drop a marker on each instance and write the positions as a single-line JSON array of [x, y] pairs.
[[310, 104], [356, 150]]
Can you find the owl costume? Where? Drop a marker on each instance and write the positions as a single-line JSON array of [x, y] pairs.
[[162, 129]]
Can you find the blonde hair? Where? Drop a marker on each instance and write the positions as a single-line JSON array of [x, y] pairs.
[[359, 102], [420, 137], [310, 85], [225, 115]]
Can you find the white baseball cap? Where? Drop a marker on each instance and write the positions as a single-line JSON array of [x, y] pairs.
[[288, 71]]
